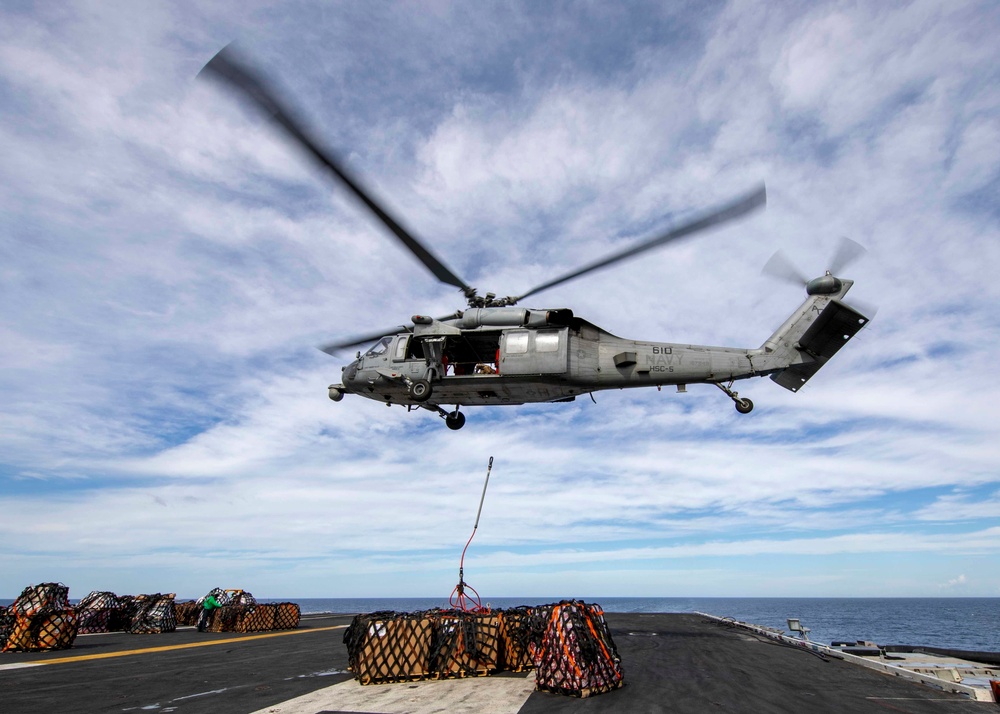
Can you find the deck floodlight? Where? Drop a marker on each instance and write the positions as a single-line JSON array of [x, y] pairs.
[[796, 626]]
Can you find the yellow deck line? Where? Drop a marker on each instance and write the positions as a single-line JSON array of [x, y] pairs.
[[189, 645]]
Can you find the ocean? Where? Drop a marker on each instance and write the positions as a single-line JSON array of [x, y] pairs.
[[958, 623]]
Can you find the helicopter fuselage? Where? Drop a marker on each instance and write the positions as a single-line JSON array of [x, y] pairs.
[[517, 356]]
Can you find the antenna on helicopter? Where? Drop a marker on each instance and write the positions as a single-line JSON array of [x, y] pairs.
[[459, 600]]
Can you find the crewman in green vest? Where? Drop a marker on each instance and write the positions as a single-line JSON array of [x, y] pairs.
[[208, 604]]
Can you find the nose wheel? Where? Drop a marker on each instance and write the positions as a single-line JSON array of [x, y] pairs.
[[743, 405]]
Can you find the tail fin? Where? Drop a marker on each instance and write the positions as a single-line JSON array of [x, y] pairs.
[[809, 338]]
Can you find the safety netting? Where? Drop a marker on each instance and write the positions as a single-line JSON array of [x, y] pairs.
[[465, 644], [519, 628], [187, 612], [389, 647], [98, 612], [577, 655], [240, 612], [7, 620], [40, 619], [286, 615], [154, 615], [568, 644], [128, 608]]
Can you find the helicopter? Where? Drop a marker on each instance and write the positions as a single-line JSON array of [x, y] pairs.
[[494, 352]]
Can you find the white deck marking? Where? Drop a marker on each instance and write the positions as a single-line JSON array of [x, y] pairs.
[[20, 665], [471, 695]]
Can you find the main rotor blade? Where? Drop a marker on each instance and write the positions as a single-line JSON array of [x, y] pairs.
[[334, 347], [226, 68], [780, 267], [728, 212], [847, 252]]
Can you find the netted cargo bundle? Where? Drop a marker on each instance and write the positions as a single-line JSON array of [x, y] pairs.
[[97, 612], [46, 596], [577, 655], [258, 618], [128, 608], [389, 647], [234, 597], [7, 620], [227, 618], [464, 644], [519, 629], [155, 615], [286, 615], [47, 629], [187, 612]]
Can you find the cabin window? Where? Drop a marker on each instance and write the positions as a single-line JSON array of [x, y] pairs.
[[547, 341], [517, 343], [400, 351], [380, 348]]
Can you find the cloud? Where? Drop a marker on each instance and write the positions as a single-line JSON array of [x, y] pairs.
[[954, 582], [168, 262]]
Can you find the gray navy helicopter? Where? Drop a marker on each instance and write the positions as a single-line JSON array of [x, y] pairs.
[[495, 352]]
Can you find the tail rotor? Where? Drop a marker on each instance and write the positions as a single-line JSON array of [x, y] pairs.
[[780, 267]]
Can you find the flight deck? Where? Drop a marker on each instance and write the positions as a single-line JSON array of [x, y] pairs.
[[672, 662]]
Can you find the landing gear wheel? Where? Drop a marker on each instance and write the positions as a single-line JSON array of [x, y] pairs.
[[455, 420], [420, 390], [744, 406]]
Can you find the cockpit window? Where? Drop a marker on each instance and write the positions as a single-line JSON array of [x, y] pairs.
[[379, 348]]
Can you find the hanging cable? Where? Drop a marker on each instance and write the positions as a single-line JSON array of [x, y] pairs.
[[459, 600]]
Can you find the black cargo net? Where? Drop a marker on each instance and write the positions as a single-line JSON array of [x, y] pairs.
[[40, 619], [98, 612], [568, 643], [519, 628], [7, 620], [389, 647], [187, 612], [128, 608], [240, 612], [464, 644], [577, 655], [155, 615], [286, 615]]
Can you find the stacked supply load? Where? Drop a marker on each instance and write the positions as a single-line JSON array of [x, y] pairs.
[[465, 644], [389, 647], [154, 615], [568, 643], [286, 615], [577, 655], [98, 612], [128, 608], [187, 612], [519, 628], [42, 619], [437, 644], [240, 612], [7, 620]]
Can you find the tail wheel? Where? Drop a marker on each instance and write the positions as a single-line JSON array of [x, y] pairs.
[[420, 390], [744, 406], [455, 420]]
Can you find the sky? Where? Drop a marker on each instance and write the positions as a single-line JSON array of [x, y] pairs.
[[169, 263]]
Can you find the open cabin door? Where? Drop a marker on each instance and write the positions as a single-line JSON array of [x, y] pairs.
[[542, 351]]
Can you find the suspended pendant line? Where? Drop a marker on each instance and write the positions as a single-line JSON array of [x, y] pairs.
[[459, 600]]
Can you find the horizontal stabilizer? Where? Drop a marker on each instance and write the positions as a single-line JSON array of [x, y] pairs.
[[833, 329]]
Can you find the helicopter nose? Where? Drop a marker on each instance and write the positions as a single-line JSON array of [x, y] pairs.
[[350, 372]]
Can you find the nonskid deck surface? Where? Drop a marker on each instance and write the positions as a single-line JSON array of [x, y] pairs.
[[672, 662]]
